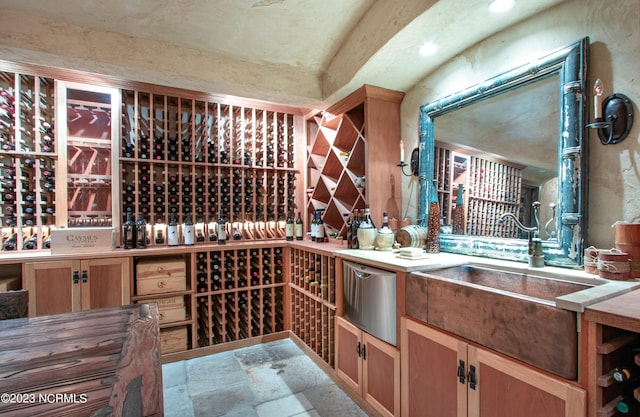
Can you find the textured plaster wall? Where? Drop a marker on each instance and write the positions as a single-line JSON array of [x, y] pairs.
[[614, 31]]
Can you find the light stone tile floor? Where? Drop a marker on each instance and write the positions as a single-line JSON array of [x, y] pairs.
[[274, 379]]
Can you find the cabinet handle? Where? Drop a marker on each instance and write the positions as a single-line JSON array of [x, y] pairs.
[[364, 352], [472, 377], [75, 277], [461, 373], [358, 350], [85, 276]]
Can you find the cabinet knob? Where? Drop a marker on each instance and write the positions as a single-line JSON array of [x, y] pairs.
[[162, 284], [85, 276], [75, 277]]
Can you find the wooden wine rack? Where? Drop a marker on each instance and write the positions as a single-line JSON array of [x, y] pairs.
[[491, 188], [313, 292], [336, 167], [203, 160], [27, 160], [240, 294]]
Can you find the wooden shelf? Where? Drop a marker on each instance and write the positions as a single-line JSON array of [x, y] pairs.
[[313, 295]]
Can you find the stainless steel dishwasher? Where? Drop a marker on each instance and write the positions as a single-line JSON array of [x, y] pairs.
[[370, 300]]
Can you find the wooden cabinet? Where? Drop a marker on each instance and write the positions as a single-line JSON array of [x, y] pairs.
[[369, 366], [71, 285], [444, 376], [341, 167]]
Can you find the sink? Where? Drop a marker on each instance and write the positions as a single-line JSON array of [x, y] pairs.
[[510, 312]]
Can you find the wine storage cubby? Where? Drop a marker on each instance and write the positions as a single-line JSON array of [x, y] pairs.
[[491, 188], [239, 294], [204, 161], [336, 168], [27, 161], [313, 301]]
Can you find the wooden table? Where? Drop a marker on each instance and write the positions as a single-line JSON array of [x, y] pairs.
[[99, 362]]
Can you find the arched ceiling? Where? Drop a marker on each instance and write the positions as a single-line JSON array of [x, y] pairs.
[[330, 47]]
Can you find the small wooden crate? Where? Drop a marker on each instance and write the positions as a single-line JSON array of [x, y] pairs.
[[161, 275], [170, 309], [10, 284], [173, 340]]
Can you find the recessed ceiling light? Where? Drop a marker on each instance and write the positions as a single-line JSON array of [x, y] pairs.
[[501, 5], [428, 48]]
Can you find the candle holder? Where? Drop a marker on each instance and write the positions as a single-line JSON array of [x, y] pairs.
[[616, 121], [415, 162]]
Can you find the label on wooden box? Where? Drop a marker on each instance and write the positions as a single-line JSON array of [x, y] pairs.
[[161, 275], [83, 240], [170, 309], [173, 340]]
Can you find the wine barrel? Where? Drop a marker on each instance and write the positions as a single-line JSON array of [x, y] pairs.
[[628, 240], [412, 236]]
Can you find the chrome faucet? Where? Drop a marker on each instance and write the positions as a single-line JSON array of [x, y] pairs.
[[536, 257]]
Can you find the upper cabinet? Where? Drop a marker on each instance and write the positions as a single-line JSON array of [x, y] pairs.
[[343, 174]]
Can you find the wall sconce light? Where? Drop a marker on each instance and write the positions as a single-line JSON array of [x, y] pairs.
[[414, 162], [612, 116]]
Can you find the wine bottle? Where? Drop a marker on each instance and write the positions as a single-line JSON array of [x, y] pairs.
[[314, 226], [366, 231], [289, 228], [172, 231], [320, 228], [11, 243], [299, 228], [141, 232], [222, 231], [189, 232], [31, 242], [349, 231], [129, 232], [357, 217]]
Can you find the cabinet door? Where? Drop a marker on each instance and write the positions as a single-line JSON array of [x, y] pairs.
[[381, 377], [105, 283], [507, 388], [54, 287], [429, 367], [348, 363]]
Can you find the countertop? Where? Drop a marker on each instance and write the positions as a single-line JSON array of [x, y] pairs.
[[622, 312], [601, 290]]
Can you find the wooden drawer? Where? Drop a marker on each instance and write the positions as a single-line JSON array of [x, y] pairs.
[[170, 309], [160, 275], [173, 340]]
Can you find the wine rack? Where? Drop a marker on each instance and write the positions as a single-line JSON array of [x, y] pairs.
[[336, 167], [27, 161], [313, 301], [492, 188], [617, 348], [206, 160], [239, 294]]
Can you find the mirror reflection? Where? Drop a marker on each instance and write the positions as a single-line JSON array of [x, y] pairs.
[[511, 141]]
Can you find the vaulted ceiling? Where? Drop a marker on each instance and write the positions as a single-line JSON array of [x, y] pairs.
[[333, 45]]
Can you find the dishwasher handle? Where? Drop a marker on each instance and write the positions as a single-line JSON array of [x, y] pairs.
[[362, 275]]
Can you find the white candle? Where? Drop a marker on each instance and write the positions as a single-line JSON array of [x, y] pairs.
[[598, 89], [401, 151]]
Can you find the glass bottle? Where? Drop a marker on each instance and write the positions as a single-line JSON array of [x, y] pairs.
[[141, 232], [314, 226], [289, 227], [357, 217], [189, 232], [385, 237], [349, 231], [222, 231], [366, 231], [319, 228], [433, 220], [129, 232], [172, 231], [458, 212], [299, 228]]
